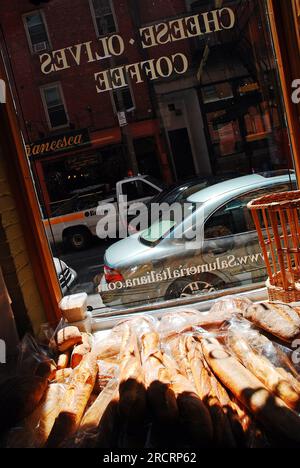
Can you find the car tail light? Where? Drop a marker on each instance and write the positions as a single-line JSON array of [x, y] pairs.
[[112, 275]]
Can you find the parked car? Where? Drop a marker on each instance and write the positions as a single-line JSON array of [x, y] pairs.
[[75, 222], [177, 193], [67, 277], [150, 266]]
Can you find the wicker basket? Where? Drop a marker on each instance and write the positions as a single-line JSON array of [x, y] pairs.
[[277, 221]]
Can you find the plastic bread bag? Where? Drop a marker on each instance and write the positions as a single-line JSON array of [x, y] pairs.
[[186, 319], [99, 422], [34, 430], [106, 372], [269, 362], [34, 358], [140, 324], [231, 305], [107, 345]]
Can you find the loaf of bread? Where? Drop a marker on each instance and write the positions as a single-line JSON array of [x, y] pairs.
[[67, 338], [264, 370], [270, 410], [75, 401], [42, 419], [222, 433], [63, 360], [132, 390], [161, 397], [80, 350], [93, 415], [280, 320]]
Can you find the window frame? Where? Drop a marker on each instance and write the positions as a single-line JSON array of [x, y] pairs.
[[46, 110], [112, 96], [93, 13], [28, 207], [30, 45]]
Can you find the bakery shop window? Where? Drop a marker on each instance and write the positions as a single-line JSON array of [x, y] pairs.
[[147, 134]]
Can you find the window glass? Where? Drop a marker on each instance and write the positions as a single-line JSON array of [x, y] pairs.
[[148, 126], [37, 32], [104, 16], [55, 107]]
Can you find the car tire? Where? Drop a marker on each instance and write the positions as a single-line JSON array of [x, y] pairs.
[[78, 239], [188, 287]]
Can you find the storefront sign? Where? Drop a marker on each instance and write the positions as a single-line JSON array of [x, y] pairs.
[[60, 143], [152, 36]]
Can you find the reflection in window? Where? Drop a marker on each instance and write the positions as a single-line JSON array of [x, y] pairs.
[[55, 108], [104, 17], [37, 33]]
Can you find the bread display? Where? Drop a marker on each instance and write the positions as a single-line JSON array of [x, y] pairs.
[[265, 371], [269, 409], [280, 320], [75, 401], [147, 384]]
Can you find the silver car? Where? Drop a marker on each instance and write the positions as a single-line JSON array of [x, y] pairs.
[[148, 267]]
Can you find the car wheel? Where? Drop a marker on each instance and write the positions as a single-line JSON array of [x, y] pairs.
[[79, 239], [187, 287]]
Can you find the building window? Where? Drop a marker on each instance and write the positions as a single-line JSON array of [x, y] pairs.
[[104, 16], [36, 31], [123, 99], [54, 106]]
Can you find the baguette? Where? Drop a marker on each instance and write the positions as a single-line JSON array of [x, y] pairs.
[[195, 418], [270, 410], [281, 320], [264, 370], [80, 350], [157, 379], [75, 400], [223, 436], [92, 417], [42, 419], [132, 391]]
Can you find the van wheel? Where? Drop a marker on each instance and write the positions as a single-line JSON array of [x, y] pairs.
[[188, 287], [78, 239]]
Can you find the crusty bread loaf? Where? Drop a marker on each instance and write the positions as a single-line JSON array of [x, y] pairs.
[[132, 389], [264, 370], [67, 338], [80, 350], [92, 417], [42, 419], [270, 410], [63, 360], [161, 397], [75, 401], [280, 320]]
